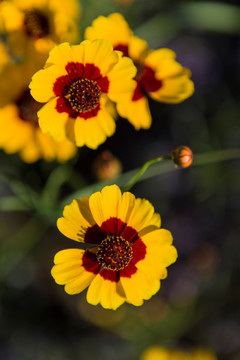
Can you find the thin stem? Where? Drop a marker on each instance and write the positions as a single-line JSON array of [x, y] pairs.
[[156, 169], [140, 173]]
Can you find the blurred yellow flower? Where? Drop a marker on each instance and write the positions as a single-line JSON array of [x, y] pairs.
[[161, 353], [159, 75], [18, 118], [75, 85], [129, 252], [45, 22]]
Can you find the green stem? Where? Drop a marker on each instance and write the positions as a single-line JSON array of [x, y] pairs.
[[140, 173], [156, 168]]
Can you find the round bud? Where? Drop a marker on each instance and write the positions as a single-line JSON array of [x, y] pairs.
[[182, 156]]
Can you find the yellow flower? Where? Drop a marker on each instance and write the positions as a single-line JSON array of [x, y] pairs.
[[45, 22], [129, 252], [159, 75], [18, 117], [22, 134], [160, 353], [202, 354], [75, 85]]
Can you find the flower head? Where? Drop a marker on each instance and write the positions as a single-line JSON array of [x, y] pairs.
[[159, 75], [44, 22], [76, 84], [18, 118], [128, 255]]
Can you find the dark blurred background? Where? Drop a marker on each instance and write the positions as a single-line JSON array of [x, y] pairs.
[[198, 305]]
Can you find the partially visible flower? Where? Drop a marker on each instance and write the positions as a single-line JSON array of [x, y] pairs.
[[75, 85], [182, 156], [201, 354], [45, 22], [18, 118], [128, 252], [21, 133], [159, 75], [161, 353], [106, 166]]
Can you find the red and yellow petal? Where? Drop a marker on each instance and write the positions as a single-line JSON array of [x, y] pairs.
[[175, 89], [111, 204], [42, 83], [52, 122], [137, 214], [77, 218], [159, 253], [104, 292], [69, 271]]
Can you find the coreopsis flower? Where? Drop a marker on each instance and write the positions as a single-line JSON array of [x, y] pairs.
[[22, 134], [128, 251], [44, 22], [75, 84], [18, 118], [159, 75]]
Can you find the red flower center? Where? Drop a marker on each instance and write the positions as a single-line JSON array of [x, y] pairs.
[[83, 95], [114, 253], [36, 24], [28, 108], [80, 90]]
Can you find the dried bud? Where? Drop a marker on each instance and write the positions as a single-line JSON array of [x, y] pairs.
[[182, 156], [106, 166]]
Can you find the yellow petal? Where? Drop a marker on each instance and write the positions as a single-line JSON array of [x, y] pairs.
[[143, 217], [42, 83], [113, 28], [175, 89], [68, 255], [158, 244], [60, 55], [139, 287], [104, 292], [94, 131], [137, 48], [121, 78], [69, 271], [76, 220], [52, 122], [105, 204], [136, 112], [80, 282], [100, 53]]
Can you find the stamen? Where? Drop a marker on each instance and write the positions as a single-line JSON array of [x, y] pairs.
[[114, 253], [83, 95]]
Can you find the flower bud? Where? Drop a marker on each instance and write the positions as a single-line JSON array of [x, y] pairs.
[[106, 166], [182, 156]]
